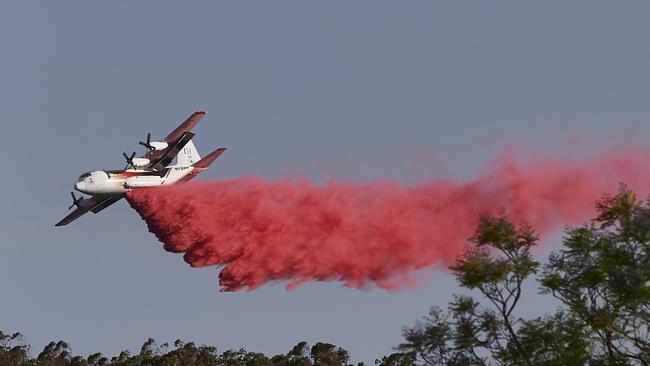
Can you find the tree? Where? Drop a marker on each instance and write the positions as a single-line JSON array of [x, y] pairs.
[[499, 279], [13, 350], [602, 275], [327, 354], [298, 356], [396, 359], [496, 264], [56, 354]]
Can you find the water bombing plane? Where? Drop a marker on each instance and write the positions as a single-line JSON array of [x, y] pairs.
[[106, 187]]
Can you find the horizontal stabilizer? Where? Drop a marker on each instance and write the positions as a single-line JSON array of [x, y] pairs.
[[208, 159]]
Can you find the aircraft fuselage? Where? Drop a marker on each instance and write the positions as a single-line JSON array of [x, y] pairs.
[[102, 182]]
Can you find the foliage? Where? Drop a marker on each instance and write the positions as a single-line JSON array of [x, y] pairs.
[[601, 277], [14, 352]]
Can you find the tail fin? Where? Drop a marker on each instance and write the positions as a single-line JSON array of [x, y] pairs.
[[188, 155], [208, 159]]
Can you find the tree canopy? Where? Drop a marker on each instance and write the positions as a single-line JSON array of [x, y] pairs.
[[601, 277], [13, 351]]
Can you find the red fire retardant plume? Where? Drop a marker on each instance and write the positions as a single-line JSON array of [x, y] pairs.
[[378, 234]]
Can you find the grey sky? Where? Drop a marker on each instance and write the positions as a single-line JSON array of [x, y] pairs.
[[358, 90]]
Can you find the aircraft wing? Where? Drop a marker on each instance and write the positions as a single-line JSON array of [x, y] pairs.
[[72, 216], [176, 140], [186, 126], [92, 204], [171, 152], [106, 202]]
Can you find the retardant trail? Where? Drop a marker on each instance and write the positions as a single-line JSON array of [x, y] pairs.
[[366, 234]]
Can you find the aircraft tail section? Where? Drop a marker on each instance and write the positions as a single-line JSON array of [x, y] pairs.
[[188, 155], [202, 164]]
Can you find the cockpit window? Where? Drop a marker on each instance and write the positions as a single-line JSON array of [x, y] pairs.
[[84, 175]]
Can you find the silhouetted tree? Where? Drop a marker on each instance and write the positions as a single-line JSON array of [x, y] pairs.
[[56, 354], [13, 351], [602, 275], [397, 359], [326, 354], [496, 263]]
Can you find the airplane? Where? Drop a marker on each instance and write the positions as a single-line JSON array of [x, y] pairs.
[[106, 187]]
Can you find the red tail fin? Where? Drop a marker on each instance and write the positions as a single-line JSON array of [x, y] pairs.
[[208, 159]]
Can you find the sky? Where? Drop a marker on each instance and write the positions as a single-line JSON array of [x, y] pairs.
[[344, 90]]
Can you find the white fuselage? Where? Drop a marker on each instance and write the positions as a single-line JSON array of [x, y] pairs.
[[101, 182]]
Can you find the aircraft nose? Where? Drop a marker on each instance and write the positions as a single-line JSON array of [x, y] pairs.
[[79, 186]]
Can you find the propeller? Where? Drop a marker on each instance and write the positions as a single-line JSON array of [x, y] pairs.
[[75, 201], [148, 143], [129, 160]]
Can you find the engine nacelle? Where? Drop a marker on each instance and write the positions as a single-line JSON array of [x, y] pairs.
[[140, 162], [159, 145]]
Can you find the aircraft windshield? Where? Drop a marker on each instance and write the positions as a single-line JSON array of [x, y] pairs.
[[84, 175]]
